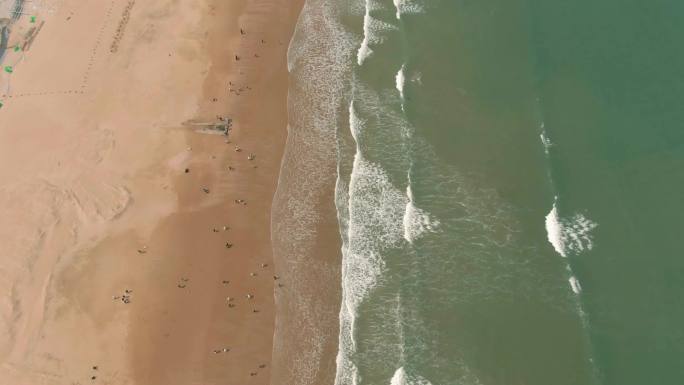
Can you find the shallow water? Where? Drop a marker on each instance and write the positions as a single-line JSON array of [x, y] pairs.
[[507, 189]]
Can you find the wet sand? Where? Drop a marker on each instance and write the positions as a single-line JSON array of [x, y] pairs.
[[110, 196]]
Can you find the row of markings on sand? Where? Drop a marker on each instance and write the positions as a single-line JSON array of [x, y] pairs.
[[10, 68], [81, 90]]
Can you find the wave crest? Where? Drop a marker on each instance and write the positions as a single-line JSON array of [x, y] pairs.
[[407, 7], [569, 236], [417, 221], [402, 378]]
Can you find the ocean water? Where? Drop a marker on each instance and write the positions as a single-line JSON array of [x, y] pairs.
[[508, 187]]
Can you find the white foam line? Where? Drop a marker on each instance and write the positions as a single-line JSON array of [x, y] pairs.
[[416, 221], [373, 29], [570, 235], [546, 142], [371, 199], [397, 5], [354, 123], [400, 80], [407, 216], [400, 377], [364, 49], [406, 7], [575, 285], [554, 231]]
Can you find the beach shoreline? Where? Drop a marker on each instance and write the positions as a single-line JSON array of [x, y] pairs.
[[146, 239], [305, 221]]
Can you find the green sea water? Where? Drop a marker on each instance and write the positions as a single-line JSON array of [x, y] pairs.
[[509, 188], [611, 80]]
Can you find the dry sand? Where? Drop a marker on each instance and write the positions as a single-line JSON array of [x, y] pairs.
[[94, 145]]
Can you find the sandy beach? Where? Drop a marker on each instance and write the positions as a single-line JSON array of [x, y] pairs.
[[135, 241]]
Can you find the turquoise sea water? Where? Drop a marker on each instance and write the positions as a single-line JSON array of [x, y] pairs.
[[508, 187]]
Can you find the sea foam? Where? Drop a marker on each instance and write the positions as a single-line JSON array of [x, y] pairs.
[[400, 80], [575, 285], [375, 207], [546, 142], [375, 211], [416, 221], [554, 231], [320, 57], [569, 236], [400, 377], [407, 7], [373, 29]]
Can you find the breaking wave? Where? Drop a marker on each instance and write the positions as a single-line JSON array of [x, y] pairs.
[[404, 7], [416, 221], [569, 236], [402, 378], [400, 80], [373, 31]]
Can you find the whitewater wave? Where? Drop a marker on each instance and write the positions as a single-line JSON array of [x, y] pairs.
[[569, 236], [373, 206], [400, 377], [546, 142], [416, 221], [400, 80], [404, 7], [373, 30], [320, 57], [376, 217], [575, 285], [377, 207]]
